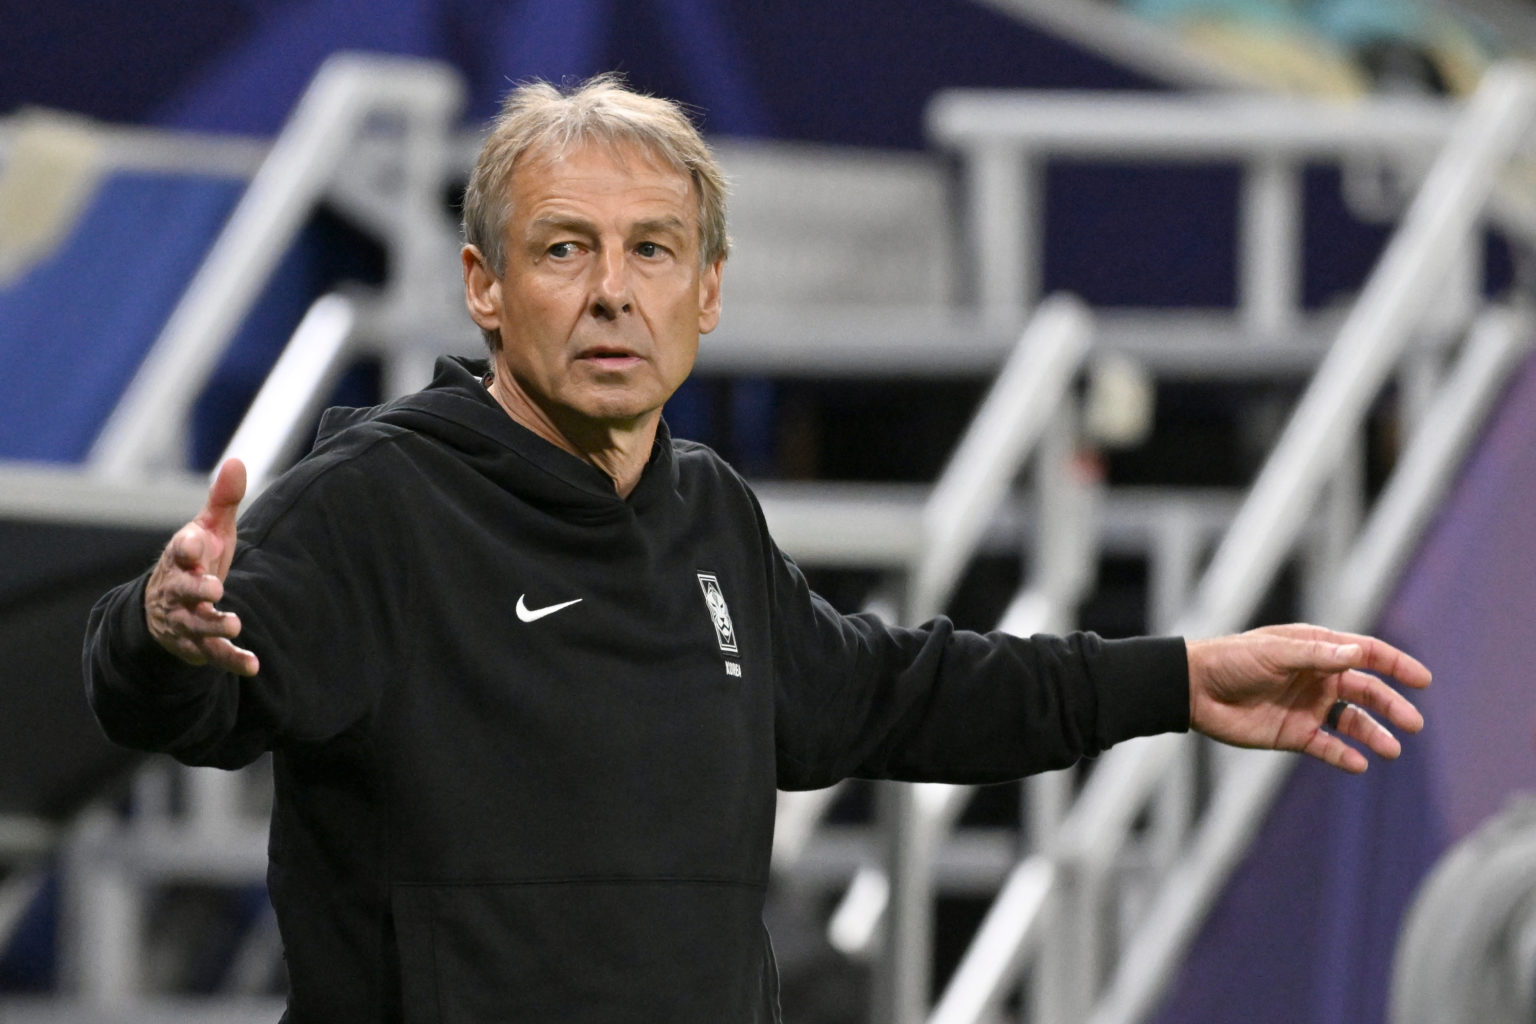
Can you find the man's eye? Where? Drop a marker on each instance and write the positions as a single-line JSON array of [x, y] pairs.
[[562, 250], [649, 249]]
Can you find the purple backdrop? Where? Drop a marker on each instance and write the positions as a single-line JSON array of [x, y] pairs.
[[1306, 931], [1468, 608]]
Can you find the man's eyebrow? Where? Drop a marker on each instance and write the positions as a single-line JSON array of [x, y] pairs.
[[557, 223], [660, 224], [579, 225]]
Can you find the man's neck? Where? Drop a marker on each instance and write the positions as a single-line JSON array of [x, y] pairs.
[[621, 451]]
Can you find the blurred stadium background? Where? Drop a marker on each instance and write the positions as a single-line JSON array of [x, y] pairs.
[[1043, 313]]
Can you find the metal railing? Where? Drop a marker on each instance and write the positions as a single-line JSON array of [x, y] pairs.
[[1025, 412], [316, 144], [269, 435], [1005, 139], [1073, 883]]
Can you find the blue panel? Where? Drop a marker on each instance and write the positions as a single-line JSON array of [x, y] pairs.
[[551, 39], [27, 964], [1141, 235], [253, 85], [705, 50], [74, 329], [111, 60]]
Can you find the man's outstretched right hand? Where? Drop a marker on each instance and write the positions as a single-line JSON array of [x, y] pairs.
[[189, 580]]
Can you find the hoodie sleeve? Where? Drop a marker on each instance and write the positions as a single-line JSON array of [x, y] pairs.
[[856, 697], [307, 584]]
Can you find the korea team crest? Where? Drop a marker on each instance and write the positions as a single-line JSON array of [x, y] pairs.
[[719, 613]]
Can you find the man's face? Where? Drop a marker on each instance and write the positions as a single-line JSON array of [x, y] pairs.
[[602, 300]]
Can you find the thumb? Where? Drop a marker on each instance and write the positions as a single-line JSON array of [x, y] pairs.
[[224, 497], [222, 509], [1321, 656]]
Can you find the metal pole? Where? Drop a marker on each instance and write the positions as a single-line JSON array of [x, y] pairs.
[[907, 964], [1270, 261], [1001, 188], [1369, 344]]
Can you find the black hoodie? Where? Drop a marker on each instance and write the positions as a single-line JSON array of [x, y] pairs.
[[526, 733]]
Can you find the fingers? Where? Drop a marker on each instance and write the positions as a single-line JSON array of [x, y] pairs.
[[1356, 724], [175, 584], [1370, 692], [180, 610], [188, 622], [237, 660], [1332, 750], [1331, 666], [1362, 694], [1388, 660], [200, 634], [1380, 656], [202, 621], [221, 654]]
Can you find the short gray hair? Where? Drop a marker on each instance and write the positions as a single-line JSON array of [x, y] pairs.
[[538, 118]]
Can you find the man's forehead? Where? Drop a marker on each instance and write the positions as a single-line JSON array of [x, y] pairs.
[[549, 164]]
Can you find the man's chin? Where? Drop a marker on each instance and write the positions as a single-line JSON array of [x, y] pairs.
[[618, 402], [616, 413]]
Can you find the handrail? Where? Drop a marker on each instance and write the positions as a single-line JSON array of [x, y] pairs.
[[1372, 340], [1017, 412], [1254, 546], [1438, 445], [937, 806], [293, 392], [1004, 141], [1370, 343], [1014, 417], [1004, 940], [1497, 341], [347, 90], [1222, 125]]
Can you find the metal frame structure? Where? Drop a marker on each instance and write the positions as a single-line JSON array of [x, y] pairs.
[[1098, 968], [351, 93]]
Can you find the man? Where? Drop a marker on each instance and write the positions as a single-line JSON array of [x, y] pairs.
[[531, 669]]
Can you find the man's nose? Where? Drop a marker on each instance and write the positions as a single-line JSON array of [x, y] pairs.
[[610, 290]]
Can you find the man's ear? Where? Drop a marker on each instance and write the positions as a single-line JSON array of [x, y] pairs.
[[709, 296], [482, 290]]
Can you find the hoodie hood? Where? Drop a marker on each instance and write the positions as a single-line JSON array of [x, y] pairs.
[[457, 411]]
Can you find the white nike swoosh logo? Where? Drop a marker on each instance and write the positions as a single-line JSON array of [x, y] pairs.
[[534, 614]]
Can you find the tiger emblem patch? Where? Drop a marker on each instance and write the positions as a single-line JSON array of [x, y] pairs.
[[719, 612]]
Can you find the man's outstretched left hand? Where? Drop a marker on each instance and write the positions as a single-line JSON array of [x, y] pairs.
[[1275, 688]]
